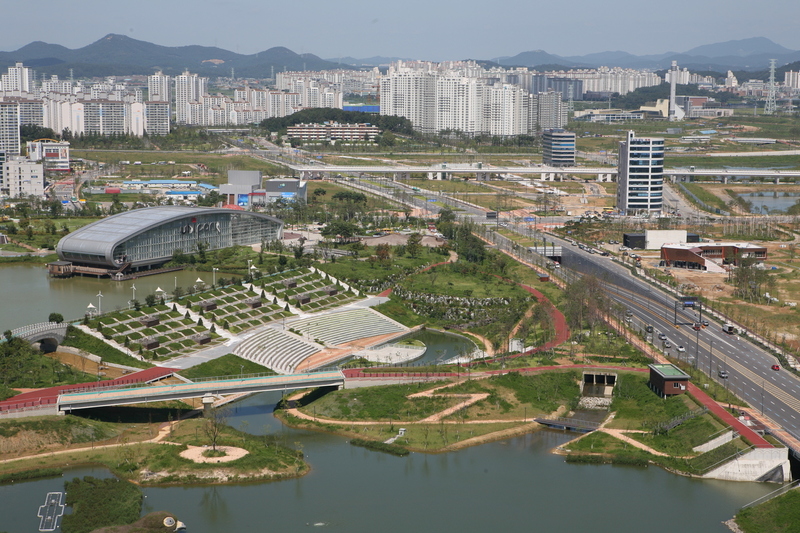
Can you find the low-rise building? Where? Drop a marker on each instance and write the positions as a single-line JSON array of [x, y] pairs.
[[53, 154], [21, 178], [710, 256], [668, 380], [332, 131]]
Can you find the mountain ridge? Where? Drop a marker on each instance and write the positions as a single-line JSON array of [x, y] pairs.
[[116, 54]]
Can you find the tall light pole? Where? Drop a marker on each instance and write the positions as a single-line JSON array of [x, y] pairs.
[[133, 288], [99, 303]]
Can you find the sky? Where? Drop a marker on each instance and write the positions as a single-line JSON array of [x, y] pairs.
[[420, 29]]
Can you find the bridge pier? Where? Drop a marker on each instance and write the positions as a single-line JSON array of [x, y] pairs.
[[604, 177]]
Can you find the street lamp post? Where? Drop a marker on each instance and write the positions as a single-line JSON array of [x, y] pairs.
[[214, 274], [99, 302], [133, 288]]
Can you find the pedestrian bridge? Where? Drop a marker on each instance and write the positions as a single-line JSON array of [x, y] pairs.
[[50, 334], [143, 393]]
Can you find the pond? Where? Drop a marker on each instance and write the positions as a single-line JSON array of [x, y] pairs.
[[771, 202], [514, 485]]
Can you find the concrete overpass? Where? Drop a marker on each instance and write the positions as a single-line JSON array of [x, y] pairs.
[[483, 172], [197, 389], [442, 171]]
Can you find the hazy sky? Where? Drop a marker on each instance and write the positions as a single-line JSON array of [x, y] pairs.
[[424, 29]]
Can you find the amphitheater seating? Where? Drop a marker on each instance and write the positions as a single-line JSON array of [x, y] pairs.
[[275, 350], [346, 326]]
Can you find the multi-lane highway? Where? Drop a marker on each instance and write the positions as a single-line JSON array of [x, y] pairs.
[[749, 368]]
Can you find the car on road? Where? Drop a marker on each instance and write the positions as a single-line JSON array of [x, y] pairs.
[[697, 326], [776, 367], [667, 344], [705, 323], [680, 348], [723, 374], [628, 313], [662, 336]]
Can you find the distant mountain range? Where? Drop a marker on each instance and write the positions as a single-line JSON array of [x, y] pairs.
[[743, 54], [120, 55]]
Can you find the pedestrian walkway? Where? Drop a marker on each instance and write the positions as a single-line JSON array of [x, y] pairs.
[[746, 432]]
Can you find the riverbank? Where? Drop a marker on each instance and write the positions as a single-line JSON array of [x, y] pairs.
[[170, 457]]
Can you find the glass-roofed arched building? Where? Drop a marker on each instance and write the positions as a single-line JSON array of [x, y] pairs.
[[142, 238]]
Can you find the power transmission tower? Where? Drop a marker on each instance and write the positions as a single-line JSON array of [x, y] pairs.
[[770, 107]]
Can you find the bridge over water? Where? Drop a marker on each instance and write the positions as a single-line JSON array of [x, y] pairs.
[[141, 393], [48, 333]]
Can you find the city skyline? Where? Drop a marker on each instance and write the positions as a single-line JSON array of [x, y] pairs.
[[359, 29]]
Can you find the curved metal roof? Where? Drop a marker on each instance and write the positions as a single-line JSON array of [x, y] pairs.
[[100, 238]]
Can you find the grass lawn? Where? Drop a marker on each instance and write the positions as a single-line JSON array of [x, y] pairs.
[[227, 365], [781, 514]]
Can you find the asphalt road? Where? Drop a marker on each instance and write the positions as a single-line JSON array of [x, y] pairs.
[[775, 393]]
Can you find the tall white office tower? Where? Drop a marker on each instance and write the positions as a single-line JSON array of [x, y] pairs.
[[641, 174]]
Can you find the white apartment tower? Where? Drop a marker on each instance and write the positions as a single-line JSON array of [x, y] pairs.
[[641, 174], [188, 88], [458, 104], [505, 110], [410, 94], [158, 87], [18, 78]]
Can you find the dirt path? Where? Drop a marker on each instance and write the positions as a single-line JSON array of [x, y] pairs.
[[436, 417]]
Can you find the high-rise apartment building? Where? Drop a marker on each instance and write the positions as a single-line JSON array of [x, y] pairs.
[[158, 87], [558, 148], [156, 118], [411, 94], [546, 111], [18, 78], [9, 128], [188, 88], [641, 174]]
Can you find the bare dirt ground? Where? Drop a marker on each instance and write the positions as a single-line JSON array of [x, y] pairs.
[[86, 365], [195, 453]]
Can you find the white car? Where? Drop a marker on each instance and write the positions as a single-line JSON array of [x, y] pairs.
[[680, 348]]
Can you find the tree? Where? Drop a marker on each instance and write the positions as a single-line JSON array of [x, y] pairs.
[[319, 192], [58, 318], [414, 246], [214, 425], [150, 300]]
